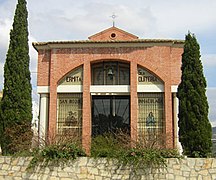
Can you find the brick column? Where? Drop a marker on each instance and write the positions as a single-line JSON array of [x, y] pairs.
[[168, 116], [53, 99], [133, 101], [86, 124]]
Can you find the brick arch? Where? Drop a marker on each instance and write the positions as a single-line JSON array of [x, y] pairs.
[[109, 59], [155, 71], [68, 72]]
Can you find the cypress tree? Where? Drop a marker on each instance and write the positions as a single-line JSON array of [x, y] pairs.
[[194, 127], [16, 105]]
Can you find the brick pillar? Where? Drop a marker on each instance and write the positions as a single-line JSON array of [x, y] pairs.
[[53, 100], [133, 101], [168, 116], [86, 124]]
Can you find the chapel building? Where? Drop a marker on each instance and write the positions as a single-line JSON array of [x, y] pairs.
[[112, 81]]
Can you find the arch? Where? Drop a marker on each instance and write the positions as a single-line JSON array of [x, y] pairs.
[[108, 72], [154, 71], [147, 77], [74, 76]]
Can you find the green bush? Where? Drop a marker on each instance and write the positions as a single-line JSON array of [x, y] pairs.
[[138, 157], [105, 146], [56, 154]]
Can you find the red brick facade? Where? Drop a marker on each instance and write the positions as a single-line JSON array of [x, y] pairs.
[[161, 57]]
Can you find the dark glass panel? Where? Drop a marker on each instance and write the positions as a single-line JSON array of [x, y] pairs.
[[110, 113]]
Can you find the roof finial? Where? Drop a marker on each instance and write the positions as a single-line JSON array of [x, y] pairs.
[[113, 17]]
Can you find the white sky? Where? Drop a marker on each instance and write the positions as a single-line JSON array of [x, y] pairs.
[[51, 20]]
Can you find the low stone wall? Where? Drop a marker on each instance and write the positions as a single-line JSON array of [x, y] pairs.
[[89, 168]]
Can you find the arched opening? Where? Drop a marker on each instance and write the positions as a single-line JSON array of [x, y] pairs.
[[110, 111], [110, 73]]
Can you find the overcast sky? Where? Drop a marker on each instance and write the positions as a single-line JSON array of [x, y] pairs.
[[51, 20]]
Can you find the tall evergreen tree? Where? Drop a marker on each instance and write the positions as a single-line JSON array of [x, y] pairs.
[[16, 103], [194, 127]]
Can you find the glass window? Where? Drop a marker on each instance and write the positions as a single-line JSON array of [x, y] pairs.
[[70, 114], [111, 73], [151, 117], [110, 114]]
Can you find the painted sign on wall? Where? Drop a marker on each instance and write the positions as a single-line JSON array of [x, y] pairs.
[[73, 78], [144, 77]]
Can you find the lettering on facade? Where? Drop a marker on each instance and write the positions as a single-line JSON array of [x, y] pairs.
[[73, 79], [147, 79], [144, 77], [150, 100], [69, 101]]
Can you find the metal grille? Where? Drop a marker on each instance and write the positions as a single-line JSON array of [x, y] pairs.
[[70, 114], [151, 117], [110, 114], [111, 73]]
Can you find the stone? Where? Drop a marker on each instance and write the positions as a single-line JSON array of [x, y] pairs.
[[176, 167], [213, 176], [92, 162], [186, 174], [177, 172], [204, 172], [199, 162], [207, 163], [3, 173], [105, 173], [21, 162], [185, 168], [207, 178], [54, 173], [82, 176], [212, 171], [94, 170], [214, 163], [197, 168], [17, 178], [5, 167], [116, 176], [98, 178], [169, 176], [199, 177], [14, 162], [1, 159], [7, 160], [34, 176], [23, 169], [193, 178], [191, 162], [83, 161], [67, 169], [180, 178], [90, 176], [16, 168], [162, 176], [54, 178], [83, 170], [44, 177], [63, 174], [170, 170]]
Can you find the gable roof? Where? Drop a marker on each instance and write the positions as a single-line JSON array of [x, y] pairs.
[[112, 34]]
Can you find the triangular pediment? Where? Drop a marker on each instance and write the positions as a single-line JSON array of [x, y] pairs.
[[112, 34]]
